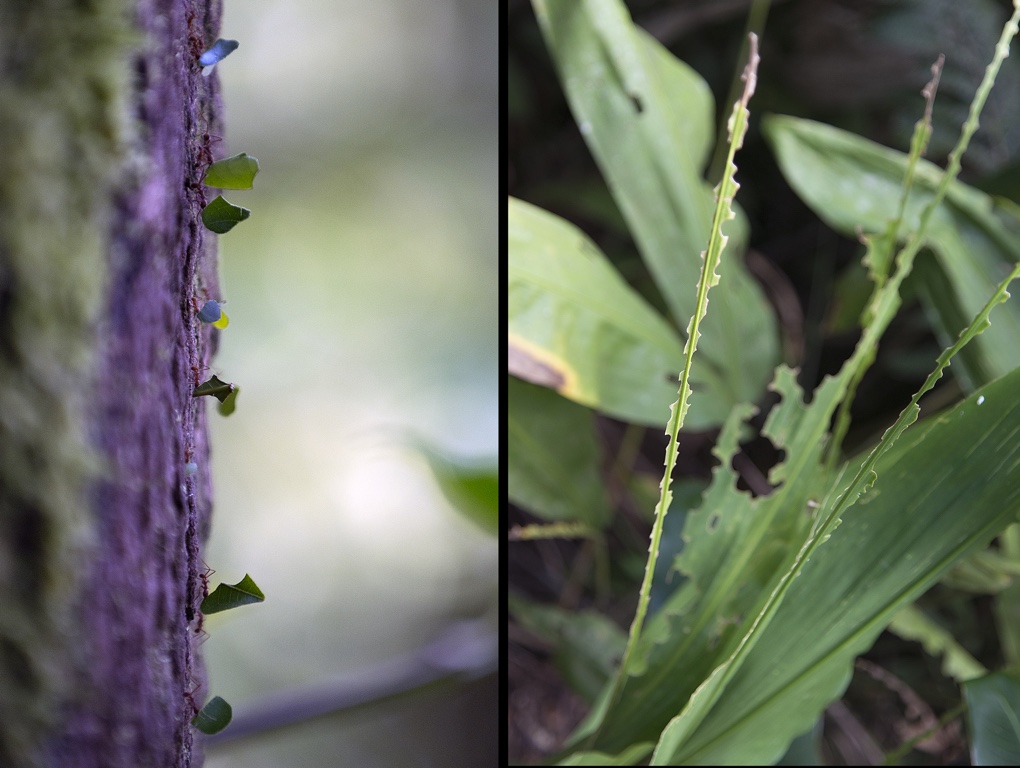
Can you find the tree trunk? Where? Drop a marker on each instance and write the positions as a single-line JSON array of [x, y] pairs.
[[105, 123]]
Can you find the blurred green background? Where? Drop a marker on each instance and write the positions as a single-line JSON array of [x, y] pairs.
[[362, 303]]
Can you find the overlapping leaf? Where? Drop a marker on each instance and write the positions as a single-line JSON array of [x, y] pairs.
[[552, 456], [782, 592], [851, 182], [577, 327], [647, 118]]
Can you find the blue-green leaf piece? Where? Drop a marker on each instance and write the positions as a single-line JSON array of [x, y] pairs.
[[219, 51], [210, 312], [221, 216], [237, 172], [214, 716], [229, 403], [227, 596]]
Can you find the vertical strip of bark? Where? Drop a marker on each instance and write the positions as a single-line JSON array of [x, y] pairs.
[[105, 130]]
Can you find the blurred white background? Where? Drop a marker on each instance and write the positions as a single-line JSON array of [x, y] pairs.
[[362, 298]]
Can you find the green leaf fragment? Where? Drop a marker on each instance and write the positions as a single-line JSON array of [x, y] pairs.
[[221, 216], [214, 717], [229, 403], [237, 172], [214, 387], [227, 596]]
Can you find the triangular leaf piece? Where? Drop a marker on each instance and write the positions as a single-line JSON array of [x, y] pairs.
[[227, 596]]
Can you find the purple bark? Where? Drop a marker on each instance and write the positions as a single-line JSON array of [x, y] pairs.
[[137, 677]]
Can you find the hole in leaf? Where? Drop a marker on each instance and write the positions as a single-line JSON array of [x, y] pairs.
[[753, 462]]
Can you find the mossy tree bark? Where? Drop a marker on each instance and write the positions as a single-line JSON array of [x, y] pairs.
[[105, 132]]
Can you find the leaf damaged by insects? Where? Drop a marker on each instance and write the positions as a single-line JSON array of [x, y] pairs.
[[711, 260]]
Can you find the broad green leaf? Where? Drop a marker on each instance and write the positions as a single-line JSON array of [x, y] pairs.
[[806, 748], [552, 456], [993, 717], [214, 387], [747, 560], [1007, 603], [783, 591], [734, 547], [214, 716], [577, 327], [237, 172], [927, 509], [911, 623], [630, 756], [227, 596], [472, 487], [930, 505], [221, 216], [586, 646], [648, 120], [851, 182]]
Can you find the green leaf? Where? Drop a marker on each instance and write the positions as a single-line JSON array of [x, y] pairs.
[[993, 715], [214, 387], [553, 456], [237, 172], [630, 756], [851, 182], [229, 403], [214, 716], [575, 326], [471, 487], [221, 216], [725, 192], [648, 120], [227, 596], [929, 506], [911, 623], [586, 645], [783, 591], [779, 599]]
